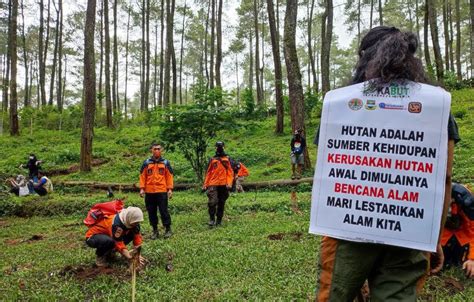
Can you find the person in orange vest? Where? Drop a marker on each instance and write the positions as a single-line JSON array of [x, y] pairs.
[[240, 172], [113, 233], [156, 184], [218, 183], [458, 234]]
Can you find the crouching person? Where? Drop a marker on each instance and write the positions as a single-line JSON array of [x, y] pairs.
[[113, 233], [458, 234]]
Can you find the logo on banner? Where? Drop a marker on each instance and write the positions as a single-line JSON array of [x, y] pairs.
[[355, 104], [391, 106], [414, 107], [370, 105]]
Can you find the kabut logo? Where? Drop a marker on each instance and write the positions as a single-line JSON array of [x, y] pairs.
[[394, 90]]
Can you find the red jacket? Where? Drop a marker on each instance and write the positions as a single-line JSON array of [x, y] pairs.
[[243, 171], [156, 176], [219, 172]]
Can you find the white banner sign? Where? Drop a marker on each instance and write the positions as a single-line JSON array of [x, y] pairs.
[[381, 167]]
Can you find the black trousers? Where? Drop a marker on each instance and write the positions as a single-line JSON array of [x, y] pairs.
[[104, 243], [217, 196], [454, 253], [155, 202]]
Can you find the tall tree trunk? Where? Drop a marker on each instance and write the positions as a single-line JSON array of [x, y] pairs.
[[213, 41], [471, 55], [60, 56], [174, 92], [115, 63], [380, 12], [434, 36], [169, 51], [46, 44], [55, 57], [219, 45], [358, 22], [206, 44], [181, 56], [147, 64], [458, 41], [451, 37], [14, 128], [326, 36], [6, 78], [89, 88], [310, 48], [143, 60], [251, 61], [108, 99], [371, 14], [293, 71], [42, 92], [417, 20], [426, 38], [101, 65], [446, 33], [155, 66], [126, 64], [257, 55], [237, 77], [26, 99], [162, 21], [277, 63]]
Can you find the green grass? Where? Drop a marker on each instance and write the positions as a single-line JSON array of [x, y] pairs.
[[236, 262]]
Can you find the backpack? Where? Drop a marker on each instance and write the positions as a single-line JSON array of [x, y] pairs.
[[100, 210]]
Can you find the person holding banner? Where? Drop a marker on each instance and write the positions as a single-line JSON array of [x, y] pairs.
[[458, 233], [383, 176]]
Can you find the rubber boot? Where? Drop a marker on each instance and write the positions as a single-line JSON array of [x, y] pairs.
[[155, 234], [100, 261], [168, 232]]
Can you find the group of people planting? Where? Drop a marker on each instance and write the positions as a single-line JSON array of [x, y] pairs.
[[117, 226], [386, 55], [36, 183]]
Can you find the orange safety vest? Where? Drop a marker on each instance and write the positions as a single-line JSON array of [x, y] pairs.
[[104, 227], [156, 176], [219, 172], [243, 171], [464, 234]]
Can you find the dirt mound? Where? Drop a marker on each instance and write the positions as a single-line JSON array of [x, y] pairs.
[[75, 168], [29, 240], [296, 236], [84, 272]]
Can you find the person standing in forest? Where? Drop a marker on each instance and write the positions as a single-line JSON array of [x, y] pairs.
[[298, 145], [386, 56], [156, 184], [218, 183], [33, 166]]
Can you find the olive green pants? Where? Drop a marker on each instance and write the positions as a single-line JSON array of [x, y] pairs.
[[393, 273]]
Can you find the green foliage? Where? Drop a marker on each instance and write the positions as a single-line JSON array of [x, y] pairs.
[[249, 101], [190, 128], [451, 81], [313, 104]]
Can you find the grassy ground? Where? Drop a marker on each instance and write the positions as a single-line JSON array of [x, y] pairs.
[[263, 252]]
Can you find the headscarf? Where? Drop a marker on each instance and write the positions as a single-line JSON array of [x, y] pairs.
[[130, 216]]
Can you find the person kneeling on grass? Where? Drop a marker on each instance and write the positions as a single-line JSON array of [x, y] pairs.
[[113, 233], [42, 187], [458, 233], [19, 186]]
